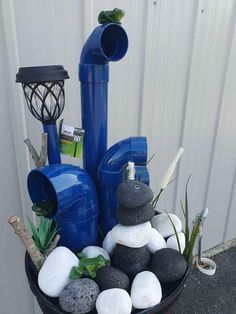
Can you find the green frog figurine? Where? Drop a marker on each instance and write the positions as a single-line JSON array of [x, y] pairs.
[[88, 266], [113, 16]]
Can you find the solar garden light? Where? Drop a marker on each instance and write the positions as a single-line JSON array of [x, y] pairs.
[[45, 96]]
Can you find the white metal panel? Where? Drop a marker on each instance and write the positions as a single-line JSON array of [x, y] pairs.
[[231, 212], [209, 63], [15, 292], [176, 85], [168, 53], [222, 186]]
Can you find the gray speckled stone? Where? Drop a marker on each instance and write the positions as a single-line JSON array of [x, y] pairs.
[[131, 260], [135, 216], [133, 193], [109, 277], [79, 296]]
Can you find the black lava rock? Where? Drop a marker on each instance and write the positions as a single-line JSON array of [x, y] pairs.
[[131, 260], [79, 296], [135, 216], [168, 265], [133, 193], [109, 277]]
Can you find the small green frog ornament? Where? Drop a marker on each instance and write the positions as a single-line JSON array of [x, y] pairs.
[[88, 266], [113, 16]]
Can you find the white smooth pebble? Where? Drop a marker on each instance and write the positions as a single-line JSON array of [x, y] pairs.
[[173, 244], [146, 290], [94, 251], [132, 236], [164, 226], [108, 244], [114, 301], [55, 272], [157, 242]]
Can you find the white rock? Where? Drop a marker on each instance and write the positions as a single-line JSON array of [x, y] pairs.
[[157, 242], [114, 301], [146, 290], [55, 272], [173, 244], [132, 236], [163, 224], [108, 244], [93, 251]]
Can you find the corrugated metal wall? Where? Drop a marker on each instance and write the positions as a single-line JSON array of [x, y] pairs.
[[176, 85]]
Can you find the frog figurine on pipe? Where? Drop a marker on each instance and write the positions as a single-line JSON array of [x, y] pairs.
[[113, 16]]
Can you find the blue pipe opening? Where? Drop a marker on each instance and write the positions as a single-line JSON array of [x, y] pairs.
[[108, 42], [73, 195]]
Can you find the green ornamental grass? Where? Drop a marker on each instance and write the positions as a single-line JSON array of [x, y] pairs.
[[190, 239], [44, 234]]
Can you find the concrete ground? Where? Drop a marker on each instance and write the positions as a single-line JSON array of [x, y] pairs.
[[211, 294]]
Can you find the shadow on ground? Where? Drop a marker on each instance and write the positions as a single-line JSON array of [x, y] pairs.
[[211, 294]]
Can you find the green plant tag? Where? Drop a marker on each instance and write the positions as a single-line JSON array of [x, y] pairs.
[[71, 140]]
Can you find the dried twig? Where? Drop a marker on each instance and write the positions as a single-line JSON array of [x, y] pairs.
[[44, 150], [26, 238], [39, 160]]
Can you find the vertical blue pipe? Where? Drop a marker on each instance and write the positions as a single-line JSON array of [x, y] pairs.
[[94, 114], [107, 42], [53, 143]]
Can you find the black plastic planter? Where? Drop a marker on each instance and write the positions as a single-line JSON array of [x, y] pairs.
[[51, 305]]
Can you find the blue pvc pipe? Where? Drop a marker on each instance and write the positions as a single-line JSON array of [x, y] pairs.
[[94, 122], [107, 42], [74, 197], [111, 173], [53, 143]]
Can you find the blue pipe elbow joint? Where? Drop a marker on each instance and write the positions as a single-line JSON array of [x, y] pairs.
[[107, 42], [73, 195], [111, 172]]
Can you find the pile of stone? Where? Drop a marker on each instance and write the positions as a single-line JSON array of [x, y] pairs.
[[133, 232], [142, 261]]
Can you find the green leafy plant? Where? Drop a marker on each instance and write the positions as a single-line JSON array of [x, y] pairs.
[[156, 199], [186, 220], [88, 266], [190, 238], [176, 233], [44, 234]]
